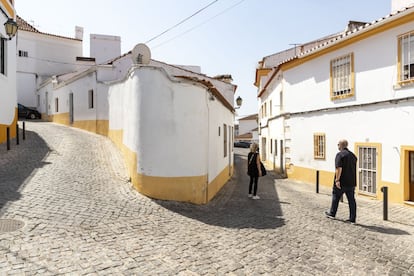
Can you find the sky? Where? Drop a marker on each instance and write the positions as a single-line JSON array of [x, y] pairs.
[[222, 36]]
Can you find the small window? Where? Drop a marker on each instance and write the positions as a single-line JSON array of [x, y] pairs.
[[275, 146], [270, 109], [342, 77], [23, 53], [225, 139], [319, 146], [271, 146], [56, 105], [2, 56], [90, 99], [38, 100]]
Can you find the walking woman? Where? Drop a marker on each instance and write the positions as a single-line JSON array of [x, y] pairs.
[[254, 170]]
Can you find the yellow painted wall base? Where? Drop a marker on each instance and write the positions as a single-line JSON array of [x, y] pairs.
[[215, 186], [186, 189], [12, 129], [307, 175], [95, 126]]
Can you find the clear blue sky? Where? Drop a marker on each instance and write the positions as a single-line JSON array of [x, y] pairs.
[[229, 37]]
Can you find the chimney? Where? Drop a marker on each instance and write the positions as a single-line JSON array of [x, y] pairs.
[[79, 33]]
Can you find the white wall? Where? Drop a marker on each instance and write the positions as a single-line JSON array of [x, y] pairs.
[[375, 68], [390, 125], [171, 137], [246, 126], [307, 88], [8, 81], [26, 89], [104, 47], [400, 4], [47, 55]]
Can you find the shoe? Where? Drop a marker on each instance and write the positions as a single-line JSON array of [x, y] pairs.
[[256, 197], [249, 195], [329, 215], [350, 221]]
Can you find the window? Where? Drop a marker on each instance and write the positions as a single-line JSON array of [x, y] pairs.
[[406, 57], [23, 53], [319, 146], [367, 169], [38, 101], [342, 77], [271, 146], [2, 56], [270, 108], [90, 99], [56, 105], [225, 139], [275, 146]]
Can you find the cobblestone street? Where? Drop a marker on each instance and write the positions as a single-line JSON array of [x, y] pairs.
[[81, 217]]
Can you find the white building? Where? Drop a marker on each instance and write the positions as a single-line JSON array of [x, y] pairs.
[[356, 85], [248, 129], [174, 126], [40, 56], [8, 103]]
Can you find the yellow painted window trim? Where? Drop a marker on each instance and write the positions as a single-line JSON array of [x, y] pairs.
[[317, 153], [352, 75], [400, 81]]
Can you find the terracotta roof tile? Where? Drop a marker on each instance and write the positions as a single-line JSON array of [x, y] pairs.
[[24, 26]]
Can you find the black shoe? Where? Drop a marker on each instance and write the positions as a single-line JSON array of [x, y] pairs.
[[329, 215], [350, 221]]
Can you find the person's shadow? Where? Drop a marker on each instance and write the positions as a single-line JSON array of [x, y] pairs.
[[232, 208], [384, 230]]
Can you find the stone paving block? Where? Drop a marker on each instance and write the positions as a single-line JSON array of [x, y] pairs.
[[83, 218]]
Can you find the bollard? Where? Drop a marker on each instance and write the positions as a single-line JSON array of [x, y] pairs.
[[317, 182], [24, 131], [384, 189], [8, 137], [17, 133]]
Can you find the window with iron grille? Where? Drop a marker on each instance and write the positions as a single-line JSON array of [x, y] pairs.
[[319, 143], [406, 57], [367, 169], [342, 77]]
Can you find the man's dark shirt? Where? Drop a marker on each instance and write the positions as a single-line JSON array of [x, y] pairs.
[[347, 161]]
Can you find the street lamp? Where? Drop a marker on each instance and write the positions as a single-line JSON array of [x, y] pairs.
[[11, 28], [239, 102]]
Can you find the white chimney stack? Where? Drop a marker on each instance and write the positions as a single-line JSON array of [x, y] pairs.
[[79, 33]]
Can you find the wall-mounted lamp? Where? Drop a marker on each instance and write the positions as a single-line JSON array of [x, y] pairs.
[[11, 28], [239, 102]]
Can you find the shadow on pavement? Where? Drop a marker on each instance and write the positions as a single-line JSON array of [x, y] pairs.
[[19, 163], [384, 230], [231, 208]]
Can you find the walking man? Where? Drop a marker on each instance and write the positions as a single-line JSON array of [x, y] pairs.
[[345, 180]]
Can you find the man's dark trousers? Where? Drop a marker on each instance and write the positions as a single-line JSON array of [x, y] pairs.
[[350, 195]]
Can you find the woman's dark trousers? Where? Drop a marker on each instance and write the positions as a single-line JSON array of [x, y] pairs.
[[253, 184]]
